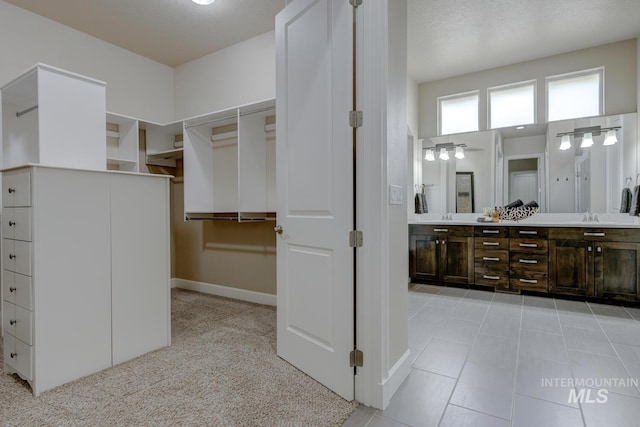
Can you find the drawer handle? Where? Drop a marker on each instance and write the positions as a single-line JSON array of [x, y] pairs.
[[489, 258], [14, 355], [528, 261], [12, 289], [491, 231], [528, 245], [12, 190], [12, 256], [528, 232], [491, 243], [528, 281], [594, 234], [12, 223], [444, 230], [12, 322], [491, 277]]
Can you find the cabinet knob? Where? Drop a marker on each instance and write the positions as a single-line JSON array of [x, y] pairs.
[[12, 223], [599, 249], [13, 355], [12, 289], [444, 242], [12, 256], [12, 322], [12, 190], [278, 229]]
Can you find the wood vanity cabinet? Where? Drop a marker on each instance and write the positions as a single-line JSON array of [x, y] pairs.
[[528, 255], [595, 262], [441, 253]]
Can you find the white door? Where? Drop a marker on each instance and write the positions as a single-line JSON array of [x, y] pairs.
[[315, 264], [524, 186]]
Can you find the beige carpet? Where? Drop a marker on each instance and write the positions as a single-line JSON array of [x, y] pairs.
[[222, 370]]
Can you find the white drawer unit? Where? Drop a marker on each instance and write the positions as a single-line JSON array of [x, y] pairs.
[[17, 321], [16, 188], [16, 223], [18, 356], [17, 289], [16, 256]]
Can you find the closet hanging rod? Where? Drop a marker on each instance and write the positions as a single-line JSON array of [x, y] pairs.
[[28, 110], [260, 110]]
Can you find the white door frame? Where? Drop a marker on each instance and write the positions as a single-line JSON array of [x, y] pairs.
[[542, 194]]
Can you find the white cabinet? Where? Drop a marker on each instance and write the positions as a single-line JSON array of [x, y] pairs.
[[229, 164], [91, 288], [163, 143], [122, 143], [53, 117]]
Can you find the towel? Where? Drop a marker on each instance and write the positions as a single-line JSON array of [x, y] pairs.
[[418, 202], [515, 204], [531, 204], [423, 201], [635, 201], [625, 205]]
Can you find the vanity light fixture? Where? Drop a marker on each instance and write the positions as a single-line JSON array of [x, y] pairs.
[[565, 142], [459, 153], [443, 150], [203, 2], [429, 156], [587, 140], [444, 155], [611, 138]]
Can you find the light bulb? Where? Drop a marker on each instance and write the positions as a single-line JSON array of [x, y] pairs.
[[203, 2], [565, 142], [443, 154], [429, 156], [611, 137], [587, 140], [459, 153]]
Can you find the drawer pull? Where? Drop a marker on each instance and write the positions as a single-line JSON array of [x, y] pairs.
[[528, 232], [488, 258], [12, 223], [12, 190], [12, 256], [491, 277], [491, 243], [528, 245], [13, 355], [491, 231], [12, 289], [528, 261], [594, 234], [12, 322], [528, 281], [444, 230]]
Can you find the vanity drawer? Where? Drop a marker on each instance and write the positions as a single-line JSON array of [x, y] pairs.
[[529, 262], [530, 280], [584, 233], [442, 230], [17, 256], [491, 231], [528, 232], [17, 289], [529, 245], [18, 356], [17, 321], [16, 223], [490, 277], [491, 243], [16, 188], [492, 259]]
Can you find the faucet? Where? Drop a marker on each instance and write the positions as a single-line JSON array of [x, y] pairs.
[[590, 217]]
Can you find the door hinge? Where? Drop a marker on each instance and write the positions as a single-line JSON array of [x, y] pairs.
[[356, 358], [355, 3], [355, 239], [355, 119]]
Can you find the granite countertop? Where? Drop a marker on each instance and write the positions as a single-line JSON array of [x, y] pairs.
[[613, 220]]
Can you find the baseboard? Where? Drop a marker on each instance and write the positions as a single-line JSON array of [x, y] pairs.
[[224, 291], [397, 374]]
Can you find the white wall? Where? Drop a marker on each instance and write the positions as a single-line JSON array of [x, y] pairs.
[[240, 74], [619, 60], [136, 86]]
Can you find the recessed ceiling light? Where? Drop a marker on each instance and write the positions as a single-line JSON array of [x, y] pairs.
[[203, 2], [520, 127]]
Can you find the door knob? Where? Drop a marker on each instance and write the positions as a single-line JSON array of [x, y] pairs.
[[278, 229]]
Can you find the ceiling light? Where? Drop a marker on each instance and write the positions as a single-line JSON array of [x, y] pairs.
[[459, 153], [429, 156], [203, 2], [520, 127], [587, 140], [443, 154], [611, 138], [565, 142]]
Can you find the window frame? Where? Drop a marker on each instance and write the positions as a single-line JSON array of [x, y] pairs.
[[454, 96], [565, 76], [532, 82]]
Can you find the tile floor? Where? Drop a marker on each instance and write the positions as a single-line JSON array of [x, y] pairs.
[[480, 359]]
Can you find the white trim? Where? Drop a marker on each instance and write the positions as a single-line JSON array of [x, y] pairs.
[[397, 374], [224, 291]]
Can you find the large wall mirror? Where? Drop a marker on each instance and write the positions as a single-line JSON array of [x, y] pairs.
[[528, 164]]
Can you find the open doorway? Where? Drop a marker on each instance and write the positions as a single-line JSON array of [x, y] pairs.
[[524, 179]]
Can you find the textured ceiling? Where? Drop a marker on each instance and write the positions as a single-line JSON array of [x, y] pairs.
[[446, 37]]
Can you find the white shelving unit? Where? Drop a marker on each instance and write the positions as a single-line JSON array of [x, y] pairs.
[[161, 143], [53, 117], [229, 164], [122, 143]]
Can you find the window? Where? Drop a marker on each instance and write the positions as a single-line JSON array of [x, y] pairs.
[[458, 113], [574, 95], [512, 105]]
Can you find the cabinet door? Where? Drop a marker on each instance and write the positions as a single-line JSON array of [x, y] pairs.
[[423, 257], [569, 267], [616, 270], [456, 259]]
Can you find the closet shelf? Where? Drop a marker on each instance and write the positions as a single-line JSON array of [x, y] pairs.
[[113, 134], [165, 155], [119, 162]]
